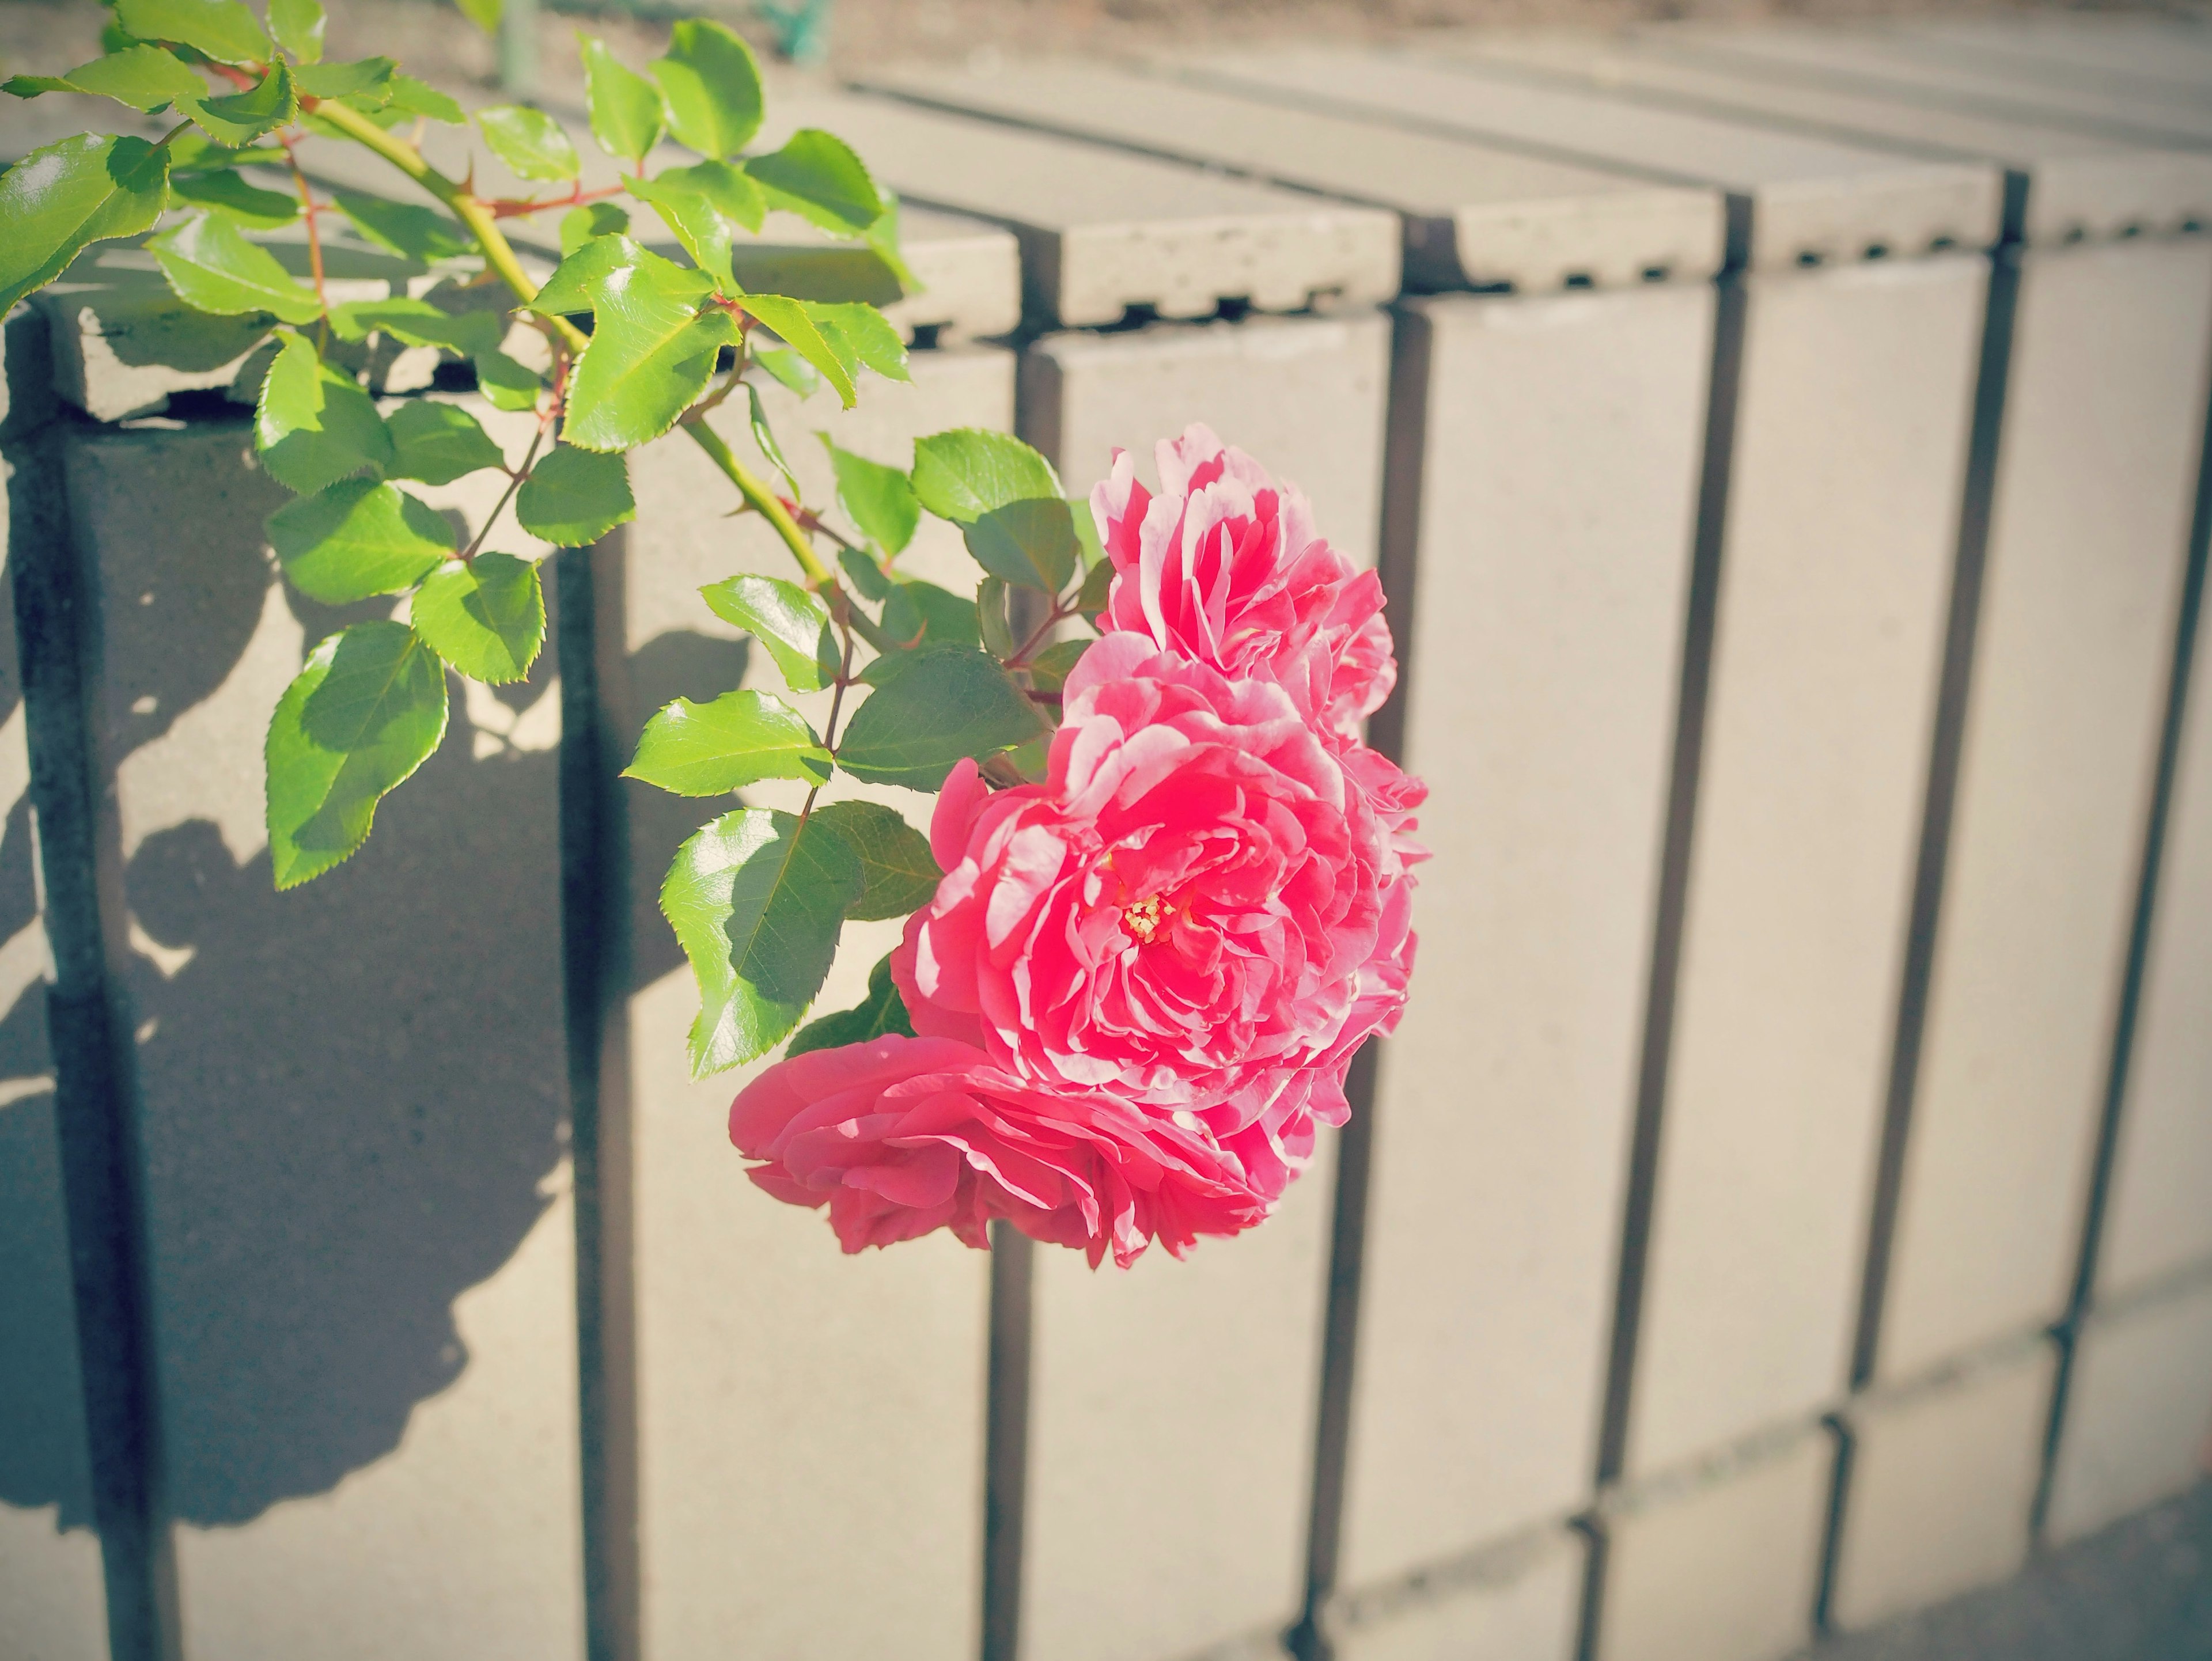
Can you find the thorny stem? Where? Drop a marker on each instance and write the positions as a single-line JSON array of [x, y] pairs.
[[499, 254], [514, 483], [309, 208], [515, 208], [837, 701], [1021, 657]]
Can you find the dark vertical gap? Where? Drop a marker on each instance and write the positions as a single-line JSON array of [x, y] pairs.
[[1702, 613], [95, 1099], [1598, 1547], [1832, 1530], [594, 916], [1940, 801], [1405, 451], [1006, 1440], [2083, 1294]]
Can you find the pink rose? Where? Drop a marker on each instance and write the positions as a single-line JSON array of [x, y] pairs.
[[1197, 912], [901, 1136], [1224, 567]]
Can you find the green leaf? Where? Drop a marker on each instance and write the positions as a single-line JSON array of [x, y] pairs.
[[757, 900], [298, 27], [882, 1011], [789, 318], [861, 336], [1048, 669], [574, 497], [574, 285], [243, 116], [734, 195], [357, 539], [929, 709], [214, 268], [948, 619], [226, 194], [817, 176], [313, 425], [144, 77], [867, 576], [412, 232], [791, 621], [419, 322], [964, 474], [787, 367], [876, 498], [883, 237], [897, 873], [413, 97], [740, 738], [698, 226], [764, 437], [625, 107], [484, 14], [57, 201], [713, 88], [529, 140], [438, 443], [364, 76], [486, 617], [594, 219], [221, 29], [997, 638], [652, 351], [367, 711], [1097, 585], [505, 384], [1030, 543], [195, 152]]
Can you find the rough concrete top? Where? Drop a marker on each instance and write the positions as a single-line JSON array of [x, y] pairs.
[[1103, 231], [2078, 186], [1899, 66], [1474, 216], [1809, 200]]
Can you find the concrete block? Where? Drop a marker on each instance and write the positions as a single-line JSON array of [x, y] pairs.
[[1834, 585], [1722, 1567], [1811, 199], [353, 1108], [2127, 63], [969, 273], [1943, 1479], [2138, 1412], [1472, 216], [1261, 385], [2096, 480], [1101, 231], [1558, 443], [766, 1362], [2078, 185], [1518, 1602], [2156, 1218]]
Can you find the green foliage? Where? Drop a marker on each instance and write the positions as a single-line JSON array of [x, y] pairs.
[[248, 206], [964, 474], [367, 711], [929, 709], [484, 14], [757, 899], [485, 616], [574, 497], [713, 88], [357, 539], [59, 200], [144, 77], [862, 337], [366, 78], [411, 231], [413, 97], [222, 30], [792, 321], [313, 425], [764, 437], [791, 621], [211, 265], [942, 618], [738, 739], [437, 443], [697, 223], [653, 348], [897, 872], [529, 140], [785, 366], [876, 498], [298, 27], [594, 219], [817, 176], [1048, 669], [1098, 582], [882, 1011], [243, 116], [626, 114], [1030, 543]]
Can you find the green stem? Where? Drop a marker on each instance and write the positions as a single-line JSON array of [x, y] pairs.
[[499, 254]]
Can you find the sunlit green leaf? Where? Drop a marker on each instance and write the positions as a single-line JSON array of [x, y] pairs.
[[486, 617], [791, 621], [222, 29], [862, 337], [59, 200], [212, 267], [1030, 543], [298, 27], [243, 116], [929, 709], [626, 116], [713, 87], [574, 497], [882, 1011], [313, 425], [764, 438], [789, 318], [419, 322], [413, 97], [896, 870], [363, 76], [438, 443], [964, 473], [529, 140], [594, 219], [652, 350], [484, 14], [817, 176], [144, 77], [357, 539], [574, 285], [367, 711], [226, 194], [787, 367], [876, 498], [698, 225], [505, 384], [738, 739]]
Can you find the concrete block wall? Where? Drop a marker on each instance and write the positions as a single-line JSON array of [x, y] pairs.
[[1777, 1207]]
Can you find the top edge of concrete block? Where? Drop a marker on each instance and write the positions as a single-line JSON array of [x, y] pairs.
[[2138, 70], [1812, 200], [2079, 186], [1103, 232], [1474, 216]]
